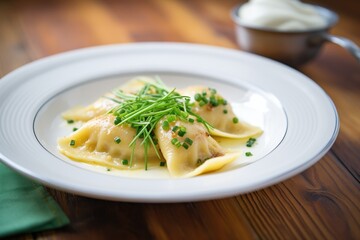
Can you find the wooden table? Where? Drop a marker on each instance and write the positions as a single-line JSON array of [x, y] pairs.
[[320, 203]]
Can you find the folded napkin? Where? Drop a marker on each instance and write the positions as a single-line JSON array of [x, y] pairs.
[[26, 206]]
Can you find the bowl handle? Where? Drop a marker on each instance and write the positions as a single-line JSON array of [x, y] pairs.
[[345, 43]]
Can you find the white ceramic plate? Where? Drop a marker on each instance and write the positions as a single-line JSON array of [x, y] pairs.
[[299, 120]]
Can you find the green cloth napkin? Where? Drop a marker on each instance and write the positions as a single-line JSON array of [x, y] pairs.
[[26, 206]]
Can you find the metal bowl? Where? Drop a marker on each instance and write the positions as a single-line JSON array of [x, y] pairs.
[[293, 48]]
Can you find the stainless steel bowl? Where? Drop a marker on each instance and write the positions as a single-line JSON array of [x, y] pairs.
[[290, 47]]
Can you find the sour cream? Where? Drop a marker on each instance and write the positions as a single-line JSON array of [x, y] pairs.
[[282, 15]]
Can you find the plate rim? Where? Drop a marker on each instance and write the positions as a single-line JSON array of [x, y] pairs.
[[174, 198]]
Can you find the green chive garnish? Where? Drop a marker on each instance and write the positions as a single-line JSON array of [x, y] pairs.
[[185, 145], [184, 114], [70, 121], [189, 141], [75, 129], [176, 142], [182, 131], [125, 162], [225, 111], [117, 140], [197, 97], [213, 101], [248, 154], [72, 143], [153, 103], [211, 98], [171, 118], [165, 125], [162, 164], [250, 142], [235, 120], [175, 128], [117, 120]]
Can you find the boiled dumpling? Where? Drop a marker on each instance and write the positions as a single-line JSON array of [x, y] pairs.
[[84, 114], [105, 104], [183, 140], [192, 153], [101, 142], [214, 109]]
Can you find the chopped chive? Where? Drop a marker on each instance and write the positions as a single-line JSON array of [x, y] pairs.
[[117, 120], [191, 120], [197, 97], [75, 129], [175, 128], [165, 125], [72, 143], [202, 103], [176, 142], [162, 164], [250, 142], [185, 145], [225, 111], [182, 131], [184, 114], [125, 162], [213, 101], [248, 154], [108, 169], [189, 141], [117, 140], [235, 120], [171, 118], [224, 102], [70, 121]]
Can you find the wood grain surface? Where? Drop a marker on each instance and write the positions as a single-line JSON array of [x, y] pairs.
[[323, 202]]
